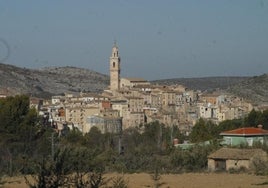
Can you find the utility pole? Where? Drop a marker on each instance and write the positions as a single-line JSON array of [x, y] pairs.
[[171, 134], [52, 146], [160, 137], [119, 144], [119, 141]]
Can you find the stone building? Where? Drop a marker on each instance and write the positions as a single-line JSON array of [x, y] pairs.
[[115, 69], [226, 159], [133, 82], [104, 124], [78, 115]]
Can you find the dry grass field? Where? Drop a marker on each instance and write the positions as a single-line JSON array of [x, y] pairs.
[[187, 180]]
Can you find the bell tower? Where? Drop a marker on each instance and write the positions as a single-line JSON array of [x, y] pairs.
[[115, 69]]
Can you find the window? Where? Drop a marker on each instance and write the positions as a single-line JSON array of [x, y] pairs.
[[261, 140], [249, 141], [228, 140], [113, 64]]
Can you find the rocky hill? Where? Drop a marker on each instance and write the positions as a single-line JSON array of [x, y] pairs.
[[57, 80], [205, 83], [48, 81], [254, 89]]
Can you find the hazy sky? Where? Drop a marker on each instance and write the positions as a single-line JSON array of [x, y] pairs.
[[156, 39]]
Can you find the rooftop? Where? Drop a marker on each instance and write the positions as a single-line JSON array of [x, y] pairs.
[[234, 153], [136, 79], [245, 131]]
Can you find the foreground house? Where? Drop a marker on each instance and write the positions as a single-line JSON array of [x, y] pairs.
[[226, 159], [245, 136]]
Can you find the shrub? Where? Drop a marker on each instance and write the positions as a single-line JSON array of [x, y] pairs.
[[119, 182], [241, 169], [260, 166]]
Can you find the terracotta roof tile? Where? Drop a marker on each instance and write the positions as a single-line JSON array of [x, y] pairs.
[[246, 131]]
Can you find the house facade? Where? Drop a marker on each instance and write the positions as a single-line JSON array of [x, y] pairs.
[[226, 159], [104, 124], [132, 82], [245, 136]]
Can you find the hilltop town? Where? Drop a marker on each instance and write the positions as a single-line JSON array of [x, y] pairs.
[[130, 102]]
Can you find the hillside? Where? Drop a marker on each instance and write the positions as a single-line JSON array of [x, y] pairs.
[[206, 83], [254, 89], [47, 81], [57, 80]]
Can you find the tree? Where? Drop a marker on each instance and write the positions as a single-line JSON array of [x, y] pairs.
[[153, 135], [73, 137], [94, 139], [12, 113], [265, 119], [177, 134], [18, 128], [52, 172], [192, 159], [203, 131], [230, 124], [253, 119]]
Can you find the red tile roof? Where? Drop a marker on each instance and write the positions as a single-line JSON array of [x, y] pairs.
[[245, 131]]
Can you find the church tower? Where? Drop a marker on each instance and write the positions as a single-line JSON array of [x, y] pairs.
[[115, 69]]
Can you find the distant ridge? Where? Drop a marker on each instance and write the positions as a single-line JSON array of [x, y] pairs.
[[254, 89], [58, 80], [50, 81], [204, 83]]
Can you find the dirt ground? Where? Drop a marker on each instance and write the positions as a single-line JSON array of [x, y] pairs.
[[187, 180]]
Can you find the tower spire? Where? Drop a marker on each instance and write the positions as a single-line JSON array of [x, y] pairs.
[[115, 68]]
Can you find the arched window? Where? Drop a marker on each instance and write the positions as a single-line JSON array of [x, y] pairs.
[[113, 64]]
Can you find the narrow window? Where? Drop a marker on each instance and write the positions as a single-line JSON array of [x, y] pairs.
[[113, 64]]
